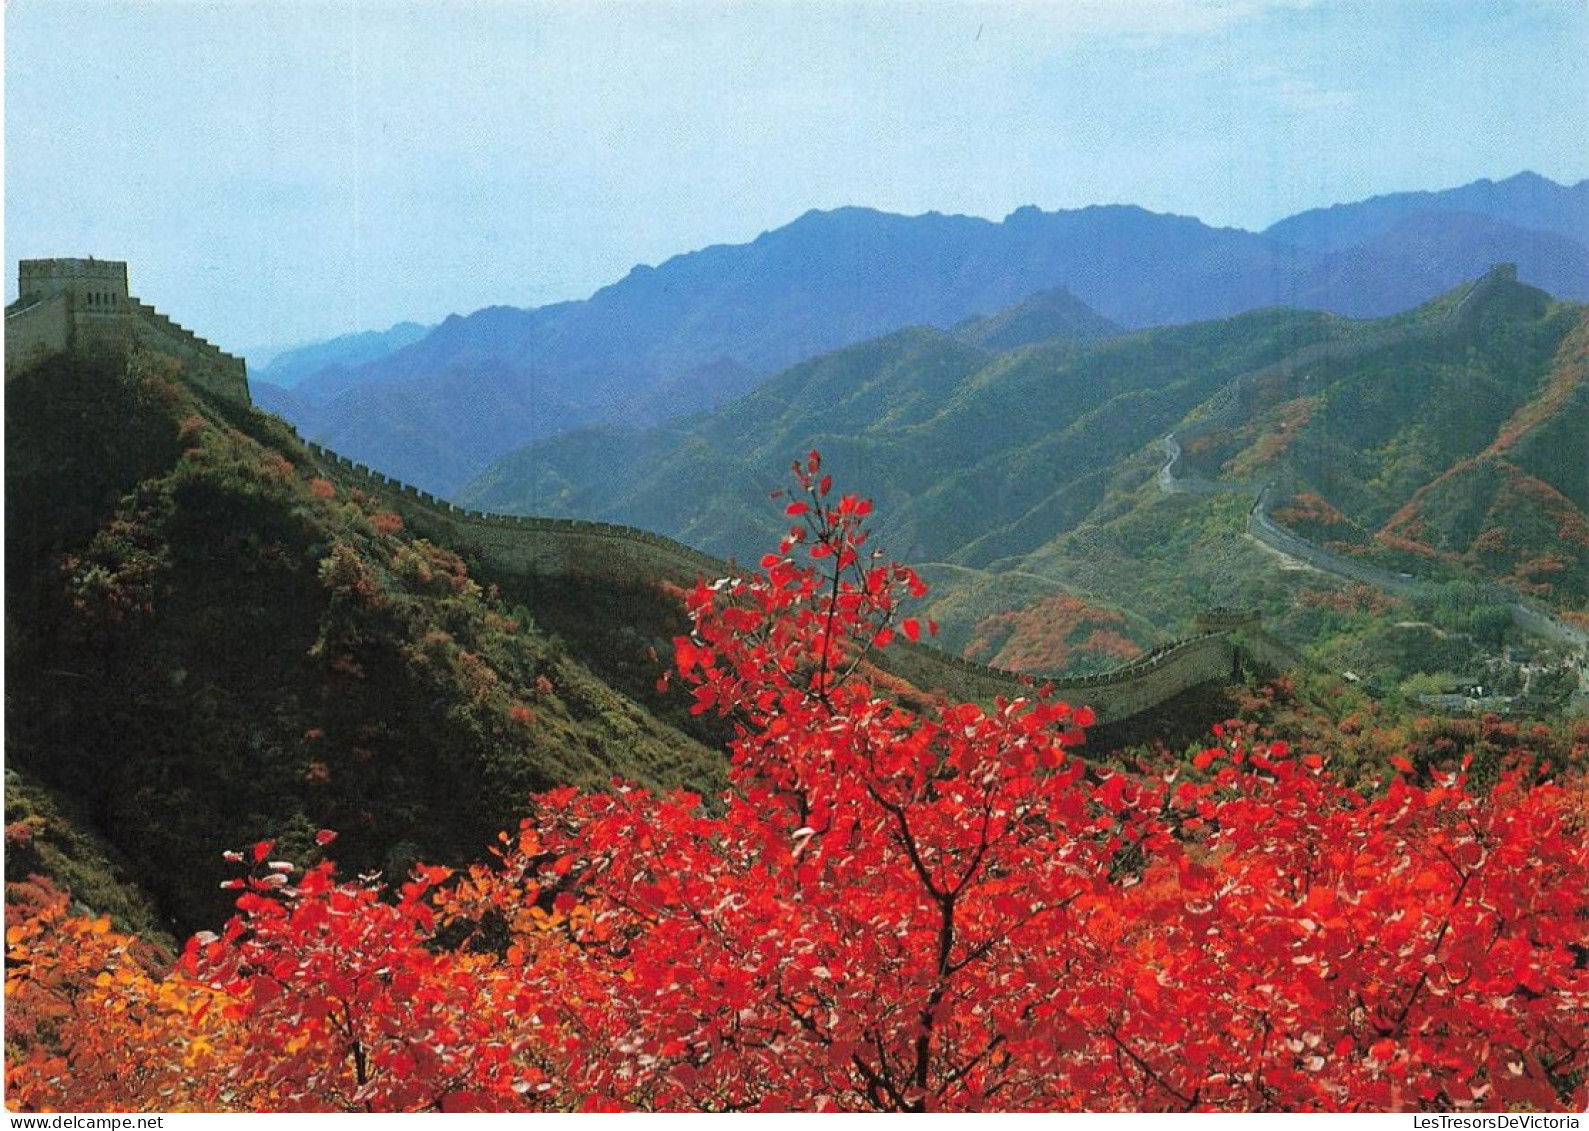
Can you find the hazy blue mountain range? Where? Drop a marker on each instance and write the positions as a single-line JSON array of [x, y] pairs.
[[971, 454], [1524, 201], [297, 383], [706, 326], [324, 360]]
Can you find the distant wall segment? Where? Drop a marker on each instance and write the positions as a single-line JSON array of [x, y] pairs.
[[1528, 618]]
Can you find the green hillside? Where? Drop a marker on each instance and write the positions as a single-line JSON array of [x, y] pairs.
[[1022, 479], [1404, 447], [971, 456], [209, 642], [1458, 454]]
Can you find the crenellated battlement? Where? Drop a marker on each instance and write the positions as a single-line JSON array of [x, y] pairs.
[[103, 279], [68, 304]]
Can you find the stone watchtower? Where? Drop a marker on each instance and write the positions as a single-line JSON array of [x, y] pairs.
[[90, 284], [70, 303]]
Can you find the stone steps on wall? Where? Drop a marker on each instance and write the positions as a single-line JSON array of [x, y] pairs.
[[175, 328]]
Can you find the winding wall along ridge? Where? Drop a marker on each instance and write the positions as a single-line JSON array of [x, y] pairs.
[[1262, 527], [522, 545], [1224, 407]]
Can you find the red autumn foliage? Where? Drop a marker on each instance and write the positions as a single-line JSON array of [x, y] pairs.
[[1569, 371], [1354, 598], [893, 909], [1052, 633], [1307, 508], [385, 522]]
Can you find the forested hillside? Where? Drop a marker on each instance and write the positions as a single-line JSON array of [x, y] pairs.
[[892, 906], [208, 639]]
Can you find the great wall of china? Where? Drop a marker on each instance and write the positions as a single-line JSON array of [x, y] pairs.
[[519, 545], [77, 303], [1225, 409], [67, 304]]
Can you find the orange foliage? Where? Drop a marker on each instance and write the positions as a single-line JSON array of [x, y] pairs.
[[1050, 634], [1570, 370], [1354, 599], [1310, 508], [93, 1025], [1283, 423], [1404, 545], [1568, 523], [385, 522]]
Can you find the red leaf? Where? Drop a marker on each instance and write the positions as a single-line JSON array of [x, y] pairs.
[[456, 1102]]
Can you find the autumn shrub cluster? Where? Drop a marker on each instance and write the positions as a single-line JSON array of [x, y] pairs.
[[1055, 633], [888, 909]]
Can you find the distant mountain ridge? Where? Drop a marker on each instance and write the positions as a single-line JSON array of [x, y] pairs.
[[1524, 201], [707, 325], [290, 368], [1043, 317]]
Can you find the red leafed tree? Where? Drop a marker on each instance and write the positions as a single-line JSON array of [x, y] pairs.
[[934, 908], [905, 911]]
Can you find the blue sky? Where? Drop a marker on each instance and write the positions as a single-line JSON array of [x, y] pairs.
[[285, 170]]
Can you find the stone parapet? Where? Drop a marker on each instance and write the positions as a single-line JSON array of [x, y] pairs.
[[35, 329]]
